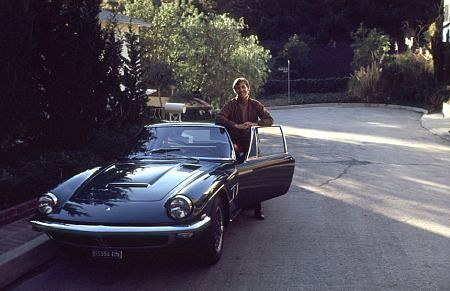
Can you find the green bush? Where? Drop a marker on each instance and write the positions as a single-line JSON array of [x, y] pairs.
[[369, 45], [38, 169], [28, 179], [364, 83], [407, 78], [306, 85], [436, 97], [306, 98], [108, 143]]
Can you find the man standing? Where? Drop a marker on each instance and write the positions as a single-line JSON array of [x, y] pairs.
[[238, 115]]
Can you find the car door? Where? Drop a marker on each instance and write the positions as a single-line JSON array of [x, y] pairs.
[[268, 168]]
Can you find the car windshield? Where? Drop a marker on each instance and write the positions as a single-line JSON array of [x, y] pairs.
[[182, 141]]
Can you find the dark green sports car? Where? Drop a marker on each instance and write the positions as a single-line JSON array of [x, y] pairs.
[[178, 182]]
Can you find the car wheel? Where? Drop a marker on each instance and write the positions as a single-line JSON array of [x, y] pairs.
[[212, 241]]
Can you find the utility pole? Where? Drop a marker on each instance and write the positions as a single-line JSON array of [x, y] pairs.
[[289, 80]]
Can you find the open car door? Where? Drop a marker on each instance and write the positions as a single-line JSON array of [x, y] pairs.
[[268, 168]]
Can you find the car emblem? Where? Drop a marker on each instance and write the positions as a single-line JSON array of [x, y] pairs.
[[108, 209]]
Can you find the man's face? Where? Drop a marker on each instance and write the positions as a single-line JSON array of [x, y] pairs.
[[241, 90]]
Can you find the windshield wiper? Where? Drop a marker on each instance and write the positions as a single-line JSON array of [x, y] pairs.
[[147, 153], [168, 154]]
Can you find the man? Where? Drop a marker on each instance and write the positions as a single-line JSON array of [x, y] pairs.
[[238, 115]]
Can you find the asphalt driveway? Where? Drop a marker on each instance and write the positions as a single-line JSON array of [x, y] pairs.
[[369, 209]]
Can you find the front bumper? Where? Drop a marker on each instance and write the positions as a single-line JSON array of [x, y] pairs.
[[118, 236]]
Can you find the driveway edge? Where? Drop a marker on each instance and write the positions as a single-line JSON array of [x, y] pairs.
[[21, 260], [393, 106], [435, 123]]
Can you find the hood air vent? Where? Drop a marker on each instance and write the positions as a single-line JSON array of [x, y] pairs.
[[127, 185]]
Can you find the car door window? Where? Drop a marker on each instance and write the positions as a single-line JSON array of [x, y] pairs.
[[267, 141]]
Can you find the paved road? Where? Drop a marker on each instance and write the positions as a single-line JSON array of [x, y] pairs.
[[369, 209]]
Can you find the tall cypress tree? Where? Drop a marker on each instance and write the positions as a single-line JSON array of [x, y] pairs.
[[112, 66], [18, 106], [132, 78], [68, 77]]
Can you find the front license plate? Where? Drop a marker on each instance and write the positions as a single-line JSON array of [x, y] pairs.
[[112, 254]]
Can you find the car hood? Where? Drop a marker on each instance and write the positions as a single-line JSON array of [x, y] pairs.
[[139, 181]]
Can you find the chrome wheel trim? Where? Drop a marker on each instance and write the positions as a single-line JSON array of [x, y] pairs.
[[218, 230]]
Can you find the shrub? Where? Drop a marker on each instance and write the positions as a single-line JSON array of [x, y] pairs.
[[307, 85], [364, 83], [108, 143], [436, 97], [28, 179], [40, 169], [407, 78], [306, 98], [368, 45]]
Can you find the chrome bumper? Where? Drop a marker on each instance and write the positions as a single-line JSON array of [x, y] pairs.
[[105, 230]]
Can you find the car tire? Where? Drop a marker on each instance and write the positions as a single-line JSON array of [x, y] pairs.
[[211, 245]]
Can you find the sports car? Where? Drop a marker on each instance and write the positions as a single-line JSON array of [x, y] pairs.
[[178, 182]]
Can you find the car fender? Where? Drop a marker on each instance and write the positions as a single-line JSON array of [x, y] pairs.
[[207, 187], [66, 189]]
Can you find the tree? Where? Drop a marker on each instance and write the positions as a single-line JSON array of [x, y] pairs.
[[117, 6], [109, 86], [69, 49], [132, 78], [368, 45], [204, 52], [439, 48], [18, 106], [225, 55], [296, 51]]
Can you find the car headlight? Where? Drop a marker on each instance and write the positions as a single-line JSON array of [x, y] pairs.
[[179, 207], [47, 203]]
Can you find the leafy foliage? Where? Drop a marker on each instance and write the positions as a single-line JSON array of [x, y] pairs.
[[204, 52], [132, 78], [381, 75], [408, 77], [112, 66], [307, 98], [295, 50], [364, 83], [436, 96], [324, 85], [68, 45], [65, 79], [18, 61], [369, 46]]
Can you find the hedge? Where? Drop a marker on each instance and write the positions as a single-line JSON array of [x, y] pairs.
[[307, 85]]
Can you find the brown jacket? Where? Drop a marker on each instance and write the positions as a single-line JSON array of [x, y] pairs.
[[231, 114]]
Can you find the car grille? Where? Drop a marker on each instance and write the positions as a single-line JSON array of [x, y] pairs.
[[112, 241]]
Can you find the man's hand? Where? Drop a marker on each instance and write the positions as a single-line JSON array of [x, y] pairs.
[[245, 125]]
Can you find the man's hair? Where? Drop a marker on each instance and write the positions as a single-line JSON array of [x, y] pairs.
[[240, 80]]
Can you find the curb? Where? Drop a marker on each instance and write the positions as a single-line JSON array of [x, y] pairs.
[[427, 121], [393, 106], [21, 260], [17, 212], [437, 124]]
